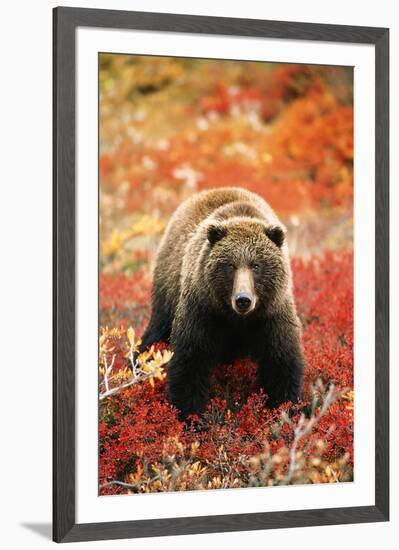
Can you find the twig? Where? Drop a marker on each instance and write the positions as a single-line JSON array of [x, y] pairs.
[[133, 380], [117, 388], [107, 371], [129, 485], [303, 429], [138, 373]]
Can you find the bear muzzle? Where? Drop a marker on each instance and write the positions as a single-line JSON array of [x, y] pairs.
[[243, 297]]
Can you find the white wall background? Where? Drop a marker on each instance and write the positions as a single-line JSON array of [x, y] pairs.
[[25, 269]]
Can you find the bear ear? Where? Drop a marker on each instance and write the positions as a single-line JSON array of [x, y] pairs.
[[215, 233], [276, 234]]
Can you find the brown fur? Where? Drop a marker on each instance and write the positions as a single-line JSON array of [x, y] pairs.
[[212, 236]]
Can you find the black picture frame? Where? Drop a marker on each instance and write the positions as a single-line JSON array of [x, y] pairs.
[[65, 22]]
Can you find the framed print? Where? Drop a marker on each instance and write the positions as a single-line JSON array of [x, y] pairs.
[[220, 274]]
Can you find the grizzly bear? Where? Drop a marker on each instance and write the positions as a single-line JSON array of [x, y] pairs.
[[222, 290]]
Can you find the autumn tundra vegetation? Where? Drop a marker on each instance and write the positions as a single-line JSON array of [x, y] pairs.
[[170, 127]]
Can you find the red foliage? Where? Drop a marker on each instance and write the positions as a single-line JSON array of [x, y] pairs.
[[139, 426], [124, 300]]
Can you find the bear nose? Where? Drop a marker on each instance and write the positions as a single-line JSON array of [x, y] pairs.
[[243, 301]]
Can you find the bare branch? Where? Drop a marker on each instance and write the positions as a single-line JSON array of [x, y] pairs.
[[302, 429], [141, 371], [107, 371], [133, 380], [129, 485]]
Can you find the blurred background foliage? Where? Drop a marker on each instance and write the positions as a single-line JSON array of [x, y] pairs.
[[170, 127]]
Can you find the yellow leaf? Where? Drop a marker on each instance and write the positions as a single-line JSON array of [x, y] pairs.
[[131, 335], [159, 374]]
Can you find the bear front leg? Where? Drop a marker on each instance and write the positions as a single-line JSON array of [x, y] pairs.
[[193, 345], [188, 382], [281, 364], [160, 325], [158, 330]]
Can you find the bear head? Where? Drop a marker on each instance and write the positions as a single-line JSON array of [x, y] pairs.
[[246, 268]]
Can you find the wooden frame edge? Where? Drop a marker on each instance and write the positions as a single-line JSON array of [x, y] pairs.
[[63, 276], [382, 273]]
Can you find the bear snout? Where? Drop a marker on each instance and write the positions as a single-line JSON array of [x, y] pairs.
[[244, 296]]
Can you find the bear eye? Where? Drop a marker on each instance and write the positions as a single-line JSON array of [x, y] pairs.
[[255, 267]]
